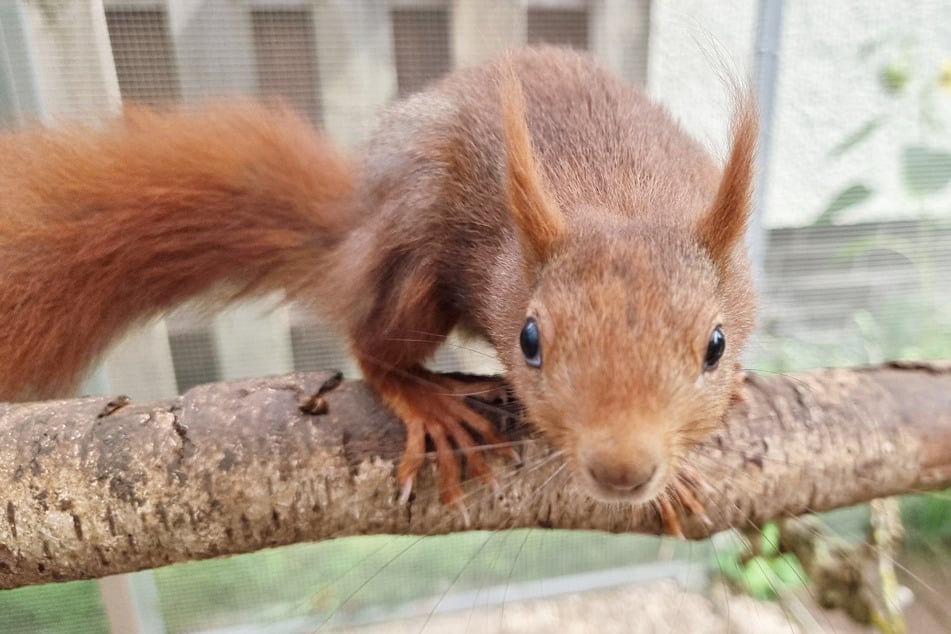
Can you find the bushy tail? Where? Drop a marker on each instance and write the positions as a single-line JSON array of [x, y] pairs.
[[101, 228]]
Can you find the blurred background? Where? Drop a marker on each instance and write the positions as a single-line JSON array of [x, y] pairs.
[[851, 243]]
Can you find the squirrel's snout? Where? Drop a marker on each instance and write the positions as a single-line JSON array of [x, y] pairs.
[[615, 473], [624, 478]]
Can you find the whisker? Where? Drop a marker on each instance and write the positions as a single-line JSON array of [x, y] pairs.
[[804, 581], [877, 550], [508, 480], [788, 375], [508, 582], [367, 581], [456, 578], [820, 535], [445, 342], [485, 447], [553, 475]]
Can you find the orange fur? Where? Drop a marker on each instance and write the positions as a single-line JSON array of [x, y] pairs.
[[537, 219], [721, 227], [100, 229]]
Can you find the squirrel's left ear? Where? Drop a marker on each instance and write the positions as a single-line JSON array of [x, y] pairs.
[[538, 221], [724, 222]]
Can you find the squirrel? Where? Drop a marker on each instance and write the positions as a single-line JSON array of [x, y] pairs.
[[537, 200]]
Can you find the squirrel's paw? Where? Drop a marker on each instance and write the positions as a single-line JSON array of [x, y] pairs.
[[432, 405]]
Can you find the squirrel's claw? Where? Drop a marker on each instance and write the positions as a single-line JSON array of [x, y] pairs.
[[668, 516], [405, 491], [430, 406], [687, 498]]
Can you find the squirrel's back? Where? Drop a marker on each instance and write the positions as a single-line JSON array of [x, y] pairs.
[[599, 141]]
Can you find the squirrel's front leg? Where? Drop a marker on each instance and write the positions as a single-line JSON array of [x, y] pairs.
[[406, 327], [433, 405]]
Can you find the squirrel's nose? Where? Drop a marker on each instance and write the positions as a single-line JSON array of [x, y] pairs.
[[624, 478]]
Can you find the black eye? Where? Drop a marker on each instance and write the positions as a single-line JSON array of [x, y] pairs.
[[531, 343], [715, 348]]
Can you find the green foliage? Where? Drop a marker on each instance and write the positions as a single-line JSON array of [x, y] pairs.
[[763, 572], [927, 520], [862, 133], [905, 330], [925, 170], [902, 327], [769, 540], [894, 76]]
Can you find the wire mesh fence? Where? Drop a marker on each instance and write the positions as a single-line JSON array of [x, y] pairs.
[[857, 207]]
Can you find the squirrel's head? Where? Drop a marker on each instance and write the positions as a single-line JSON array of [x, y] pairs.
[[630, 344]]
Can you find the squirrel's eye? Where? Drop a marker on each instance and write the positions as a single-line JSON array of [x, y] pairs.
[[531, 343], [715, 348]]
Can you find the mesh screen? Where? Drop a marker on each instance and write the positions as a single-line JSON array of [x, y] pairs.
[[286, 58], [421, 47], [858, 211], [563, 27], [144, 56]]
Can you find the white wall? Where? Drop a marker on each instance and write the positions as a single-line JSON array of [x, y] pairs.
[[826, 90], [694, 47]]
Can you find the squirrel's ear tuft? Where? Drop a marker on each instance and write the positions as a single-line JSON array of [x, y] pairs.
[[724, 223], [538, 221]]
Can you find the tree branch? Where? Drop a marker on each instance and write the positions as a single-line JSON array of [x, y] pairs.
[[235, 467]]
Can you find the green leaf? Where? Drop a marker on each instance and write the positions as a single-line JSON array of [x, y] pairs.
[[769, 540], [789, 570], [856, 137], [925, 170], [759, 579], [847, 198], [894, 77], [730, 568]]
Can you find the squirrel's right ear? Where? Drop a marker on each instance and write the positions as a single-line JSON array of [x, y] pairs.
[[724, 222], [538, 221]]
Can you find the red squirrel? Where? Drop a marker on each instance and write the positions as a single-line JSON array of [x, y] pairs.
[[537, 200]]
